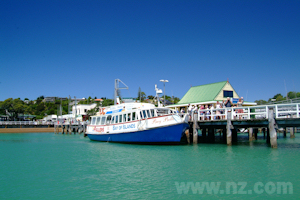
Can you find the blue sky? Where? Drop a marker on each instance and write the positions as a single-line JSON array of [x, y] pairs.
[[78, 48]]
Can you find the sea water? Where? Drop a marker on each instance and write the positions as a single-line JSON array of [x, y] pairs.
[[56, 166]]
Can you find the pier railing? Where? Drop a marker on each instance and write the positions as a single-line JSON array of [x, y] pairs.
[[291, 110], [25, 123], [40, 123]]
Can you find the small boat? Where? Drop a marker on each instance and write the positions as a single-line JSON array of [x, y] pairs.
[[138, 123]]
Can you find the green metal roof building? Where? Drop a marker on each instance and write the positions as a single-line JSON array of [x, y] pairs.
[[208, 94]]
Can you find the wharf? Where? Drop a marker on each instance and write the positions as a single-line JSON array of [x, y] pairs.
[[24, 127], [227, 122], [70, 128]]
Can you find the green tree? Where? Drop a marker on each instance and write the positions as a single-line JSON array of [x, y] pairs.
[[93, 111], [107, 102], [176, 100], [278, 97], [150, 97], [292, 95], [13, 107], [261, 102], [141, 95]]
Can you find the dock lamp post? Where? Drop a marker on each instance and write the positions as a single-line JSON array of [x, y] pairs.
[[164, 81]]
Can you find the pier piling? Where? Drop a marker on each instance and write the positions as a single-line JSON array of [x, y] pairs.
[[292, 135], [195, 129], [271, 129], [255, 133], [228, 129], [250, 133]]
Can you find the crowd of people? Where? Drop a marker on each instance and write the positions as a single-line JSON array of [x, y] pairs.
[[205, 111]]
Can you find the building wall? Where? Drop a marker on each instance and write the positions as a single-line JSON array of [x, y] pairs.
[[228, 87], [81, 109]]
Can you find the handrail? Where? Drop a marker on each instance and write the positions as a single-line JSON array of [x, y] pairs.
[[38, 123], [25, 123], [291, 110]]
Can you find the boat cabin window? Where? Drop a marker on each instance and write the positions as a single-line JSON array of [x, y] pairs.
[[141, 115], [120, 118], [93, 121], [103, 120], [113, 120], [152, 113], [133, 116], [108, 119], [117, 118], [124, 118], [144, 114], [98, 121], [161, 112], [148, 113], [129, 117]]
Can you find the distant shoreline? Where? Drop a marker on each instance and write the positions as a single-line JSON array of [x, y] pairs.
[[27, 130]]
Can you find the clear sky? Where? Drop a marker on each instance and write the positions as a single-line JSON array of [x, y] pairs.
[[79, 47]]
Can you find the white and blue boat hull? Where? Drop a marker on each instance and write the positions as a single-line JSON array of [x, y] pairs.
[[160, 135]]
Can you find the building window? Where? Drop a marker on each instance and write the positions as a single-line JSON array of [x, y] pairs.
[[227, 93]]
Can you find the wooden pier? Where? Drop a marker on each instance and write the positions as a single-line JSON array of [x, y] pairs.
[[268, 119], [67, 128]]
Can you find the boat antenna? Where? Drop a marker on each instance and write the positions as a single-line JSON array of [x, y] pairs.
[[117, 88], [158, 92]]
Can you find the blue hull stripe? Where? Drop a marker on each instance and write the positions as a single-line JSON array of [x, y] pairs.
[[169, 134]]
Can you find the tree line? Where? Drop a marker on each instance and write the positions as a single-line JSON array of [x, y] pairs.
[[13, 108], [279, 97]]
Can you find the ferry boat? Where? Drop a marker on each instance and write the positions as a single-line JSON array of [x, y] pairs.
[[137, 123]]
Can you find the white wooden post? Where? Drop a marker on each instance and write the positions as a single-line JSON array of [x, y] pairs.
[[248, 116], [228, 129], [272, 130], [195, 130]]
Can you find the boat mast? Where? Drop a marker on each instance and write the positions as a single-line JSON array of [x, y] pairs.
[[117, 81], [158, 92]]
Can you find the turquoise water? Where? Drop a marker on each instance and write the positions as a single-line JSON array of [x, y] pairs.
[[52, 166]]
